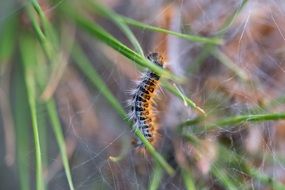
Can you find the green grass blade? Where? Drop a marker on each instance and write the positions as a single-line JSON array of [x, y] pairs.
[[223, 178], [46, 36], [114, 17], [22, 119], [101, 34], [188, 180], [29, 64], [156, 177], [98, 32], [246, 118], [192, 38], [158, 157], [187, 101], [47, 27], [7, 39], [85, 66], [51, 108], [43, 137], [235, 120]]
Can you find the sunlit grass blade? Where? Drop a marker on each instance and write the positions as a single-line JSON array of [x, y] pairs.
[[29, 63], [85, 66], [193, 38], [104, 11]]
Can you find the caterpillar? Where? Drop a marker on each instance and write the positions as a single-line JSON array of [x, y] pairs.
[[142, 102]]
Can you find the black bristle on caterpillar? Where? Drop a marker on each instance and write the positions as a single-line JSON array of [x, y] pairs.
[[142, 102]]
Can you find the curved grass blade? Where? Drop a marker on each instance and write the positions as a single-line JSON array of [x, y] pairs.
[[85, 66], [45, 33], [114, 17], [56, 125], [187, 101], [51, 108], [28, 62], [22, 115], [108, 39], [193, 38], [100, 33]]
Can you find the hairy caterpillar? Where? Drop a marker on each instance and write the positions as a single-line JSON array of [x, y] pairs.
[[142, 103]]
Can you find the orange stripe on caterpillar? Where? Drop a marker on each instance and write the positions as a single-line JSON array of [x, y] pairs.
[[142, 103]]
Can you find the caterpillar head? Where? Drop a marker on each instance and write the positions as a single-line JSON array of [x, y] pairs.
[[156, 59]]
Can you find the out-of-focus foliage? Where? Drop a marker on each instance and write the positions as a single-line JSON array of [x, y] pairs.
[[66, 68]]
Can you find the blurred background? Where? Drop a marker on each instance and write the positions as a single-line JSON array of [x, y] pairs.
[[66, 69]]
